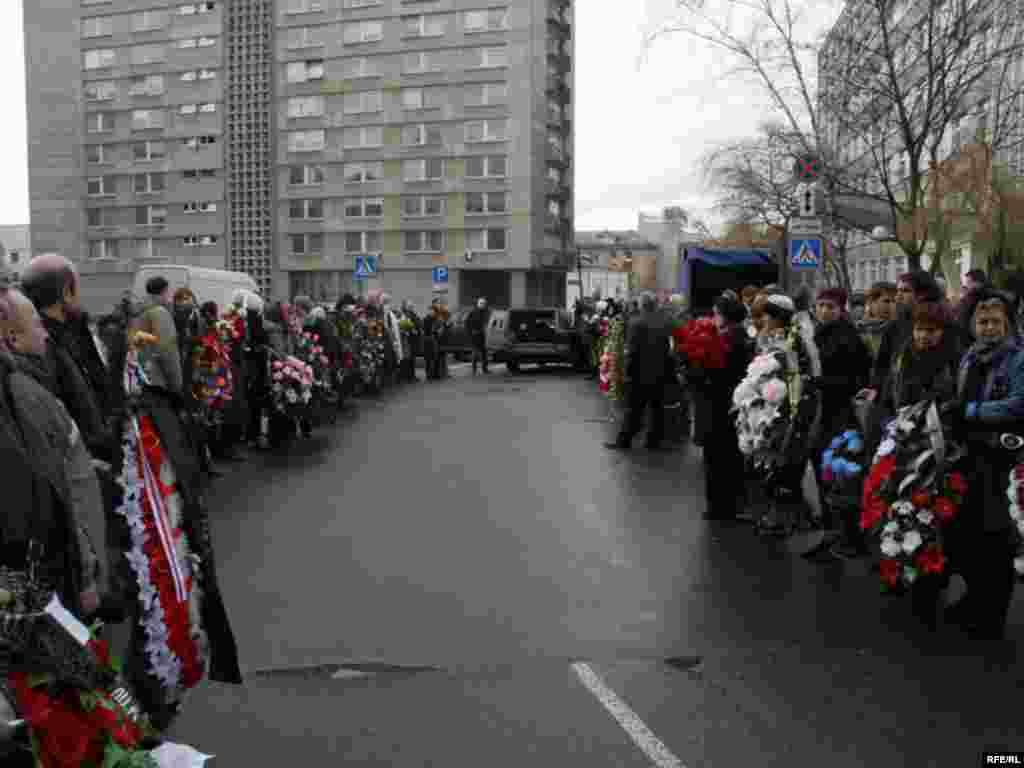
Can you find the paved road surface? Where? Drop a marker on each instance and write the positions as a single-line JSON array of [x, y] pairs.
[[491, 575]]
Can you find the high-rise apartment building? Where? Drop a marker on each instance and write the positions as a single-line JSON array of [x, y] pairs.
[[286, 138]]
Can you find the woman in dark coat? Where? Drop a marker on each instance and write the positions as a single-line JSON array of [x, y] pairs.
[[725, 495], [990, 388]]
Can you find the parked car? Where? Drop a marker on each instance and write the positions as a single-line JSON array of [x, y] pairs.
[[533, 335]]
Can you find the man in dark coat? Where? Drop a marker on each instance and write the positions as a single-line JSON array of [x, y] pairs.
[[911, 288], [648, 365], [51, 282]]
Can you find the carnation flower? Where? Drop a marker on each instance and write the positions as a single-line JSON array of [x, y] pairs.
[[774, 391], [890, 547], [887, 448], [911, 541], [903, 508], [925, 517]]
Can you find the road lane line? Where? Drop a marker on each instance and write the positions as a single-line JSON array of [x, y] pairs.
[[642, 736]]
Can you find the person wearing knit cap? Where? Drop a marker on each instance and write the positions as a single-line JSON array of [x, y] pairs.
[[724, 490], [845, 366]]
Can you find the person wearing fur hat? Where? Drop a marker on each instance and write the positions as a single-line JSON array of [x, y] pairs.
[[990, 404], [724, 496]]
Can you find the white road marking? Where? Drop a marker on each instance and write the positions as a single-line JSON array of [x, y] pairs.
[[660, 755]]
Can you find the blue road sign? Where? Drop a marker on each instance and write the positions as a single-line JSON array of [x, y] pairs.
[[805, 252], [440, 274], [366, 266]]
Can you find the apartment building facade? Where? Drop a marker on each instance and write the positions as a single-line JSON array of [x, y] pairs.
[[285, 138]]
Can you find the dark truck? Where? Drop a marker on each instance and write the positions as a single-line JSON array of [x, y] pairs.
[[706, 273], [539, 335]]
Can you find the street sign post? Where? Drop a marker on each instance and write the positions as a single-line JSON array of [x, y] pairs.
[[805, 252], [366, 267], [806, 227]]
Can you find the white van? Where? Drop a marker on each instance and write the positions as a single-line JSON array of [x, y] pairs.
[[217, 285]]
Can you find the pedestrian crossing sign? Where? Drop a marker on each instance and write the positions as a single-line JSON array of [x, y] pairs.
[[366, 267], [805, 252]]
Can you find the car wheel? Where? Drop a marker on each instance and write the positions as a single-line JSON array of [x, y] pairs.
[[512, 366]]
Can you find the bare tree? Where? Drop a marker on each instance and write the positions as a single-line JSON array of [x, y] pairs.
[[898, 78]]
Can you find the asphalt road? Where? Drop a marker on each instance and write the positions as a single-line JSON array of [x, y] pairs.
[[440, 579]]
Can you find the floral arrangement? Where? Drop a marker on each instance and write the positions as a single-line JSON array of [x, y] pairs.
[[701, 343], [162, 560], [774, 406], [842, 466], [1016, 496], [231, 328], [911, 494], [73, 728], [613, 381], [309, 351], [212, 384], [291, 385]]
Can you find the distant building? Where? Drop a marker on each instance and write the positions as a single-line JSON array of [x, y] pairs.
[[284, 138], [672, 238], [15, 246], [614, 264]]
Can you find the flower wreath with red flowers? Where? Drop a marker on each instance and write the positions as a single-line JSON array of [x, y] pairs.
[[212, 383], [701, 344], [911, 494], [161, 556]]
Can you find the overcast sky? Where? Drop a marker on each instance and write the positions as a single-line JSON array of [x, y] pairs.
[[642, 121]]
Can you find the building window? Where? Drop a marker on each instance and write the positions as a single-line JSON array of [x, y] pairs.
[[486, 94], [200, 207], [145, 151], [101, 90], [306, 209], [486, 202], [484, 21], [307, 141], [424, 26], [422, 98], [103, 249], [100, 217], [99, 122], [362, 3], [199, 241], [149, 183], [304, 71], [363, 173], [191, 9], [486, 130], [422, 61], [421, 135], [150, 85], [486, 167], [430, 169], [487, 58], [304, 6], [150, 216], [362, 242], [305, 106], [96, 153], [363, 32], [197, 143], [360, 67], [422, 205], [147, 21], [486, 240], [100, 58], [305, 175], [102, 26], [202, 173], [366, 136], [364, 207], [148, 54], [146, 120], [423, 242], [307, 245], [362, 102], [305, 37]]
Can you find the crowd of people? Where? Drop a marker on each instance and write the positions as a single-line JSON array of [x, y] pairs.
[[111, 429], [911, 418]]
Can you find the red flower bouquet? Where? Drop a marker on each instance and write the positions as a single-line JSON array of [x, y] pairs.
[[910, 495], [701, 343]]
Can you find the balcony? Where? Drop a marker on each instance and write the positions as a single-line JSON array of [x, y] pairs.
[[558, 157], [557, 225], [559, 22], [558, 89], [556, 189]]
